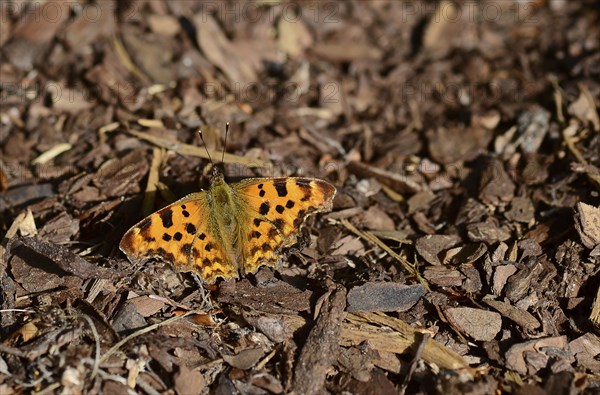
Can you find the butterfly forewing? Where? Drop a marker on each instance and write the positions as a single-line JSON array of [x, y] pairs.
[[181, 233], [277, 208]]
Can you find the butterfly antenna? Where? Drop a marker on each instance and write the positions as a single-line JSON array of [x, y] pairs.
[[205, 147], [225, 143]]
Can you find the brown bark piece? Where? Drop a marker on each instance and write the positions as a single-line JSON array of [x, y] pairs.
[[587, 223], [496, 186], [586, 349], [321, 347], [381, 296], [520, 316], [220, 51], [531, 356], [488, 231], [62, 258], [60, 229], [501, 275], [443, 276], [34, 32], [146, 305], [374, 328], [521, 210], [189, 382], [277, 327], [276, 297], [245, 359], [376, 219], [452, 145], [431, 247], [479, 324]]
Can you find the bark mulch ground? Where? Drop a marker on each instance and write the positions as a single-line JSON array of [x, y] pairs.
[[462, 252]]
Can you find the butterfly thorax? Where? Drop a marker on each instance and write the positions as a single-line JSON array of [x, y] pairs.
[[221, 197], [226, 216]]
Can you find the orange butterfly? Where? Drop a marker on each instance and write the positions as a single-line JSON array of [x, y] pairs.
[[230, 229]]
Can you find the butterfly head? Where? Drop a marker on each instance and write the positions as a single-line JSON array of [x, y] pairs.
[[217, 176]]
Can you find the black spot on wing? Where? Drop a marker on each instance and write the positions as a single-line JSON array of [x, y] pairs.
[[278, 223], [303, 182], [145, 229], [206, 262], [145, 223], [185, 213], [186, 249], [196, 253], [264, 208], [279, 208], [290, 204], [300, 219], [177, 236], [255, 234], [167, 218], [167, 255], [166, 237], [281, 189], [262, 193], [304, 185], [273, 233], [209, 246], [266, 247], [254, 251], [257, 222], [190, 228], [202, 236]]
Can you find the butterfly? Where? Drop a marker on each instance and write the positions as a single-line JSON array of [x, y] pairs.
[[229, 230]]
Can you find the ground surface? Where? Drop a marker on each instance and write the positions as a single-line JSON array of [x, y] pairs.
[[462, 251]]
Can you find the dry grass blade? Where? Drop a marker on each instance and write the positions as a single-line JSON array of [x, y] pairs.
[[570, 142], [371, 238], [127, 62], [51, 153], [153, 178], [593, 116], [97, 342], [193, 150]]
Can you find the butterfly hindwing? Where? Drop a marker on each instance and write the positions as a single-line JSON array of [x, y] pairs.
[[181, 233], [277, 208]]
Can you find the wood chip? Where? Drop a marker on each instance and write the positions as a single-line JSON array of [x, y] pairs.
[[61, 257], [531, 356], [520, 316], [383, 296], [481, 325], [398, 337], [587, 223], [320, 349]]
